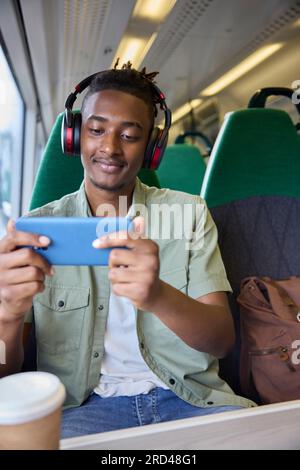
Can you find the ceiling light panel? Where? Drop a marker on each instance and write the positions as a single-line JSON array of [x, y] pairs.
[[153, 10], [241, 69]]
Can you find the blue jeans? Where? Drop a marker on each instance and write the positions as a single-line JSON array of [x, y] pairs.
[[98, 414]]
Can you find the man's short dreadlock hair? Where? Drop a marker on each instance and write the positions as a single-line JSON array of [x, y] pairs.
[[128, 80]]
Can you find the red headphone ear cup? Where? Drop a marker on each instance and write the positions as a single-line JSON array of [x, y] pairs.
[[151, 146], [67, 133], [70, 135], [76, 134], [159, 150]]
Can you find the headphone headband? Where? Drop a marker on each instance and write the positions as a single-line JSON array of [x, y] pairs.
[[71, 133]]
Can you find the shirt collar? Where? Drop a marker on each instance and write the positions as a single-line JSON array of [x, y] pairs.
[[82, 205], [138, 201]]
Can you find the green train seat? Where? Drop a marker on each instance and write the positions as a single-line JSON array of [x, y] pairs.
[[252, 189], [59, 174], [182, 168], [256, 153]]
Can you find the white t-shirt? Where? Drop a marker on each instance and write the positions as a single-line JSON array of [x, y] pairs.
[[124, 371]]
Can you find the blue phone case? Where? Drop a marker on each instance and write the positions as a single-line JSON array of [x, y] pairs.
[[72, 237]]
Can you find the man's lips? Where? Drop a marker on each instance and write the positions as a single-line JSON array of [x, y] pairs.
[[108, 166], [104, 161]]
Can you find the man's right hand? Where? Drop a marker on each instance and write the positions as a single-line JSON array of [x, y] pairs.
[[22, 272]]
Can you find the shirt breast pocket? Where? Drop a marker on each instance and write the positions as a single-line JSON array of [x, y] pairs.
[[177, 278], [59, 314]]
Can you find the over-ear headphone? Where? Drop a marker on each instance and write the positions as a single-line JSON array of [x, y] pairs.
[[71, 127]]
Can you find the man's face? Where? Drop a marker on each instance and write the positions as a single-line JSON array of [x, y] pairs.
[[114, 135]]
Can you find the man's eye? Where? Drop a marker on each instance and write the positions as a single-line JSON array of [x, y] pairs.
[[95, 131], [131, 138]]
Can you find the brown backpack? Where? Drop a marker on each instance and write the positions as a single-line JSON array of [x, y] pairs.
[[270, 339]]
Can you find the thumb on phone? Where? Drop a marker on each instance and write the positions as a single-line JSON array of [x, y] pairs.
[[138, 227], [10, 226]]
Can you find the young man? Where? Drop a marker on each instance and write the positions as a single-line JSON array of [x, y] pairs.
[[135, 342]]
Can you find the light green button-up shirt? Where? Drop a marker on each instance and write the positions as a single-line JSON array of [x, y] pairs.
[[71, 314]]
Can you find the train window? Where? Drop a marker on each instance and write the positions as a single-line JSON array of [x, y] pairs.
[[12, 111]]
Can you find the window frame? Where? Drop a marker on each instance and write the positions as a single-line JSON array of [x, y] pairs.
[[17, 177], [17, 51]]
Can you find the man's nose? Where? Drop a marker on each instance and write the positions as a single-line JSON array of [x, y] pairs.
[[110, 143]]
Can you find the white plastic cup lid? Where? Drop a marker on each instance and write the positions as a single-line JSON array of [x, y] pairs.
[[29, 396]]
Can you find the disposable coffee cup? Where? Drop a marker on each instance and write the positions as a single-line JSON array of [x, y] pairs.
[[30, 411]]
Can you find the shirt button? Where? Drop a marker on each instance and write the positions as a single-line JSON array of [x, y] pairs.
[[210, 403], [142, 345], [100, 307], [96, 354], [61, 303], [172, 381]]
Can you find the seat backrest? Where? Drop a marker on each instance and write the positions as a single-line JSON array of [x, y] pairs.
[[257, 152], [59, 174], [253, 192], [182, 168]]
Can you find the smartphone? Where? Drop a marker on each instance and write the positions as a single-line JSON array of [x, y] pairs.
[[72, 237]]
